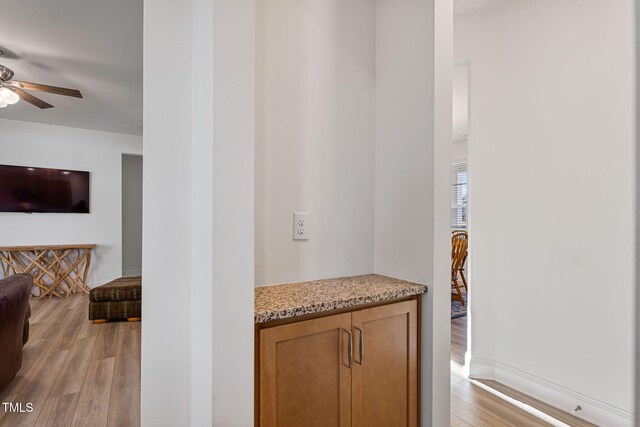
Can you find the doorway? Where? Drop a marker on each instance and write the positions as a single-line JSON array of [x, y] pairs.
[[131, 215], [459, 213]]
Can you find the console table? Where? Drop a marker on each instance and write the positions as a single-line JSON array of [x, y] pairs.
[[57, 270]]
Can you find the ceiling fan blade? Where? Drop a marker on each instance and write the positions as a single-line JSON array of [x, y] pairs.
[[27, 97], [46, 88]]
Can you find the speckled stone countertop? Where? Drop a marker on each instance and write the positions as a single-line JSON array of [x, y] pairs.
[[297, 299]]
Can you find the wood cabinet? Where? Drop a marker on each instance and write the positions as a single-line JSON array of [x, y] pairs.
[[357, 368], [385, 374], [305, 377]]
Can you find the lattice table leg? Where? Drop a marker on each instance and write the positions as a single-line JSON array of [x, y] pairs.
[[54, 268]]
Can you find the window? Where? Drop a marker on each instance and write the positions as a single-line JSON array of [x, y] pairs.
[[459, 195]]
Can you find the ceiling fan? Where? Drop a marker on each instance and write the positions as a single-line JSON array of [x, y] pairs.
[[11, 91]]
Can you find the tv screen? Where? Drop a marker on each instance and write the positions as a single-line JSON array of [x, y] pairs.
[[28, 189]]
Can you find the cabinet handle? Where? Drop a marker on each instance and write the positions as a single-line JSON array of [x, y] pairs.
[[350, 349], [361, 362]]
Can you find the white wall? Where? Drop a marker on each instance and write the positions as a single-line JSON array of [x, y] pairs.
[[404, 140], [413, 170], [315, 134], [131, 215], [217, 40], [197, 337], [637, 389], [346, 129], [460, 102], [459, 150], [201, 397], [551, 204], [234, 61], [460, 112], [100, 153], [166, 248]]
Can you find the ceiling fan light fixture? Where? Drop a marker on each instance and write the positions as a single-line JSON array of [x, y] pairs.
[[12, 91], [2, 103], [12, 98], [8, 97]]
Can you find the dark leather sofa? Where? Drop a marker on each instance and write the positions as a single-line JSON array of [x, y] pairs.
[[15, 312]]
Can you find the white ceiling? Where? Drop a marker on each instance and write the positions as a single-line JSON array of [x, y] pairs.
[[461, 7], [91, 45]]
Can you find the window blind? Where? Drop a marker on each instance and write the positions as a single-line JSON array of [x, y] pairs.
[[459, 195]]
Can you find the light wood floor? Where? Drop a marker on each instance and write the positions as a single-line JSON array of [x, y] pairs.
[[76, 373], [458, 339], [474, 406]]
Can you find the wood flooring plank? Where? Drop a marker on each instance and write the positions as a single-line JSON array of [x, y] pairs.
[[124, 407], [459, 339], [63, 341], [71, 325], [128, 339], [37, 385], [72, 374], [92, 409], [51, 328], [541, 406], [32, 353], [487, 403], [106, 341], [13, 388], [473, 415], [88, 329], [127, 367], [7, 399], [457, 422], [77, 302], [58, 411], [40, 310]]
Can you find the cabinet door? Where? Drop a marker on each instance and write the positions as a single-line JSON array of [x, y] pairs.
[[385, 369], [305, 379]]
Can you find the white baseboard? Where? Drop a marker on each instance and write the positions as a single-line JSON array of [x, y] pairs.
[[593, 410], [132, 273], [481, 369]]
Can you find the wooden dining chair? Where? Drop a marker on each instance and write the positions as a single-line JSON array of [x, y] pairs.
[[461, 271], [459, 246]]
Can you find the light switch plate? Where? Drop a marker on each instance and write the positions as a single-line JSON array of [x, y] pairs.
[[301, 226]]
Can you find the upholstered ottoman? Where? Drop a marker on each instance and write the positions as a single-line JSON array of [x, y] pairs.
[[117, 300]]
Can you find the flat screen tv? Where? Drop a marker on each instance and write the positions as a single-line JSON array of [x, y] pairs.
[[29, 189]]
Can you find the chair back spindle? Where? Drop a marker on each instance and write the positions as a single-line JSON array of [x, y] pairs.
[[459, 247]]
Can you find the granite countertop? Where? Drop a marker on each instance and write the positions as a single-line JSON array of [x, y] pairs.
[[297, 299]]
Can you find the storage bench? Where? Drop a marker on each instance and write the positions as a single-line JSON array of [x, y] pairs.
[[117, 300]]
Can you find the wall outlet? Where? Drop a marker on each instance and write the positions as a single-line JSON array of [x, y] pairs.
[[301, 226]]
